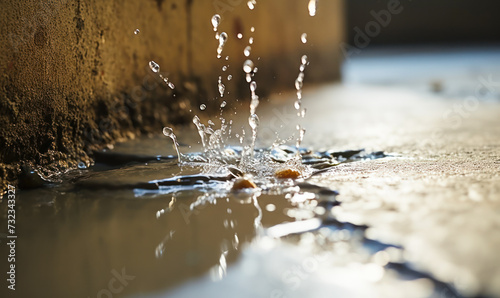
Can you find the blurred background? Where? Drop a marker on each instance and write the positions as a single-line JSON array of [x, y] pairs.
[[441, 46]]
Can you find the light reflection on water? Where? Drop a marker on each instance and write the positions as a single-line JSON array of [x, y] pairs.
[[72, 239], [106, 221]]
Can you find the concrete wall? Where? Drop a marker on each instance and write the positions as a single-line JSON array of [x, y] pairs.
[[75, 77]]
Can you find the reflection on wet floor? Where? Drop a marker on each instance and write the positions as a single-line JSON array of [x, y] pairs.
[[163, 225]]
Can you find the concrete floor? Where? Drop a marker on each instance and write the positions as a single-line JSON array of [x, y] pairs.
[[439, 196]]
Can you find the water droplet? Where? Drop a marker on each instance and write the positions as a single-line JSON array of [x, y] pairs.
[[304, 59], [82, 165], [253, 120], [221, 86], [210, 122], [223, 104], [248, 66], [299, 83], [253, 86], [255, 70], [252, 29], [312, 6], [250, 40], [227, 58], [251, 4], [240, 36], [247, 50], [169, 84], [303, 37], [229, 77], [154, 66], [203, 107], [216, 21], [297, 104], [224, 68], [254, 103], [222, 42], [136, 31], [168, 132]]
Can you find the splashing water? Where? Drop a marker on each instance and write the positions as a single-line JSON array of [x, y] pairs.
[[251, 4], [168, 132], [303, 38], [222, 42], [221, 86], [247, 51], [257, 162], [301, 111], [248, 67], [154, 66], [312, 7], [216, 22]]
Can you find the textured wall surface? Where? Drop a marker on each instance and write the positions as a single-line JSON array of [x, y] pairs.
[[75, 77]]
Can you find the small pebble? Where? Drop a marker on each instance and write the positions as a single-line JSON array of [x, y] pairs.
[[243, 183], [287, 173]]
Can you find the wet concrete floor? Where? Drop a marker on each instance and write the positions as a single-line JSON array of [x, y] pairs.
[[422, 222]]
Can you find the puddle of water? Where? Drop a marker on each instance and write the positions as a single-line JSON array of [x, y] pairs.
[[107, 219], [151, 222]]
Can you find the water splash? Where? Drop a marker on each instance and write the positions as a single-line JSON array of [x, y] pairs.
[[216, 22], [248, 67], [222, 41], [169, 84], [201, 132], [247, 51], [301, 112], [303, 37], [221, 86], [154, 66], [168, 132], [251, 4], [312, 7]]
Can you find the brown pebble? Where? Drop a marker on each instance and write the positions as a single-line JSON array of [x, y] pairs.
[[242, 183], [287, 173]]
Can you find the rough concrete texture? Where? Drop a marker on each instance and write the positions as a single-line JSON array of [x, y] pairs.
[[438, 196], [75, 77]]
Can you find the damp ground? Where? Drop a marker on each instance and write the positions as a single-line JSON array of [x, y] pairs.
[[422, 220], [419, 220]]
